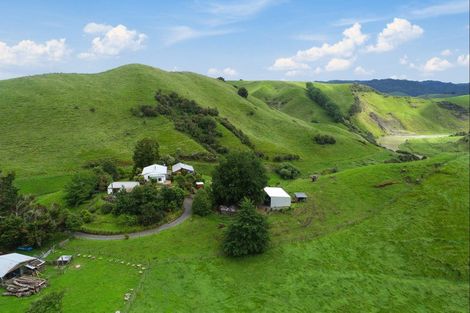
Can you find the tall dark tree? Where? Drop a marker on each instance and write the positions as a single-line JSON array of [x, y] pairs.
[[248, 234], [145, 153], [239, 175], [242, 92], [8, 193]]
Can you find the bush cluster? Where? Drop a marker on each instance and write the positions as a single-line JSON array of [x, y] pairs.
[[202, 203], [323, 139], [287, 171], [285, 157], [237, 132], [146, 205], [322, 100]]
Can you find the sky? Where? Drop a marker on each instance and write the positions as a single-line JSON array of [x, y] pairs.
[[244, 39]]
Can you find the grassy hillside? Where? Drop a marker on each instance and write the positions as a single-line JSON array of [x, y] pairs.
[[463, 101], [354, 247], [63, 120]]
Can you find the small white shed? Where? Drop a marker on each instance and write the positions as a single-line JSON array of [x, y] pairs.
[[155, 172], [278, 198], [119, 185], [180, 167]]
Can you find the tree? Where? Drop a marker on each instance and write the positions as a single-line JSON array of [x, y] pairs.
[[145, 153], [8, 193], [12, 231], [287, 171], [239, 175], [248, 234], [221, 78], [202, 203], [81, 188], [242, 92], [51, 303]]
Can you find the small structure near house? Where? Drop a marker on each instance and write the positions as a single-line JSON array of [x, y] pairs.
[[182, 168], [314, 178], [15, 265], [64, 260], [117, 186], [155, 172], [300, 196], [277, 198], [199, 185]]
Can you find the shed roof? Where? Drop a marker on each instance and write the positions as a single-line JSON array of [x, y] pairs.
[[300, 195], [154, 169], [123, 184], [182, 166], [8, 262], [276, 192]]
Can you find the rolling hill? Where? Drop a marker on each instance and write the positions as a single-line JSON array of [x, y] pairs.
[[372, 236]]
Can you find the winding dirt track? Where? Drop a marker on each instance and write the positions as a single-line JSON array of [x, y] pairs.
[[187, 205]]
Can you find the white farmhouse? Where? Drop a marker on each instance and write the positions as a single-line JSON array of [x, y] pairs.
[[278, 198], [180, 167], [155, 172], [120, 185]]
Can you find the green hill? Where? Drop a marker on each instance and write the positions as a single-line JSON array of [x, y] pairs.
[[63, 120]]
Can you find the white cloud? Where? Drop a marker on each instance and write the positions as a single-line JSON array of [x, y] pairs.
[[337, 64], [112, 40], [228, 71], [352, 38], [288, 64], [359, 70], [181, 33], [402, 76], [449, 8], [463, 59], [446, 52], [396, 33], [28, 52], [293, 73], [95, 28], [228, 12], [436, 64], [345, 48], [318, 70]]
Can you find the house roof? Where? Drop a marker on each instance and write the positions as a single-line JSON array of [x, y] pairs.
[[154, 169], [9, 262], [276, 192], [300, 195], [182, 166], [123, 184]]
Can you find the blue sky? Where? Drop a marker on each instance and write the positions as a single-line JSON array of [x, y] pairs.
[[257, 39]]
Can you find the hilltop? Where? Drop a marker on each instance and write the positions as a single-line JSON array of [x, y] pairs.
[[413, 88]]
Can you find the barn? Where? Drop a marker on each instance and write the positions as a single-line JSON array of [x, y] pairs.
[[15, 264], [155, 172], [277, 198]]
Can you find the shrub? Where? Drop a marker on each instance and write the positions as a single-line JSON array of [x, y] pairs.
[[239, 175], [51, 303], [202, 203], [87, 216], [285, 157], [242, 92], [80, 188], [248, 234], [107, 208], [221, 78], [324, 139], [287, 171]]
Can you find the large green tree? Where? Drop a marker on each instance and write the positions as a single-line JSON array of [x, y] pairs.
[[145, 153], [248, 234], [239, 175]]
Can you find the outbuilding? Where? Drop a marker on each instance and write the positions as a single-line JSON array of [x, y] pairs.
[[122, 185], [182, 168], [155, 172], [15, 264], [300, 196], [64, 259], [277, 198]]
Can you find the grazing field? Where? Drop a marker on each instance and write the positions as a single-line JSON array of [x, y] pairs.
[[380, 237]]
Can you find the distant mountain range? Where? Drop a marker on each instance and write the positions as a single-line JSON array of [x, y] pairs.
[[412, 88]]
